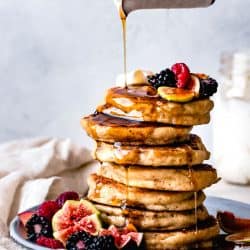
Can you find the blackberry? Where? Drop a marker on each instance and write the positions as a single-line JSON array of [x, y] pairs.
[[103, 243], [208, 87], [38, 226], [79, 241], [164, 78]]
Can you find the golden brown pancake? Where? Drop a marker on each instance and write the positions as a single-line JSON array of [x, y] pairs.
[[191, 152], [111, 129], [143, 103], [169, 179], [146, 220], [108, 192], [183, 239]]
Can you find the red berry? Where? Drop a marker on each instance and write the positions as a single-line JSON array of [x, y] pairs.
[[47, 209], [49, 243], [62, 198], [182, 74]]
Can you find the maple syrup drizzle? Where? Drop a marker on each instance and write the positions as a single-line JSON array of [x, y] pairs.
[[124, 39], [193, 183], [124, 204]]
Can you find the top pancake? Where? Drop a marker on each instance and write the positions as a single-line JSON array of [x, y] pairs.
[[142, 103]]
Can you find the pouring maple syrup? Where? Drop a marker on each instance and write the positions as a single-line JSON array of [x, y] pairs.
[[125, 201], [124, 39], [123, 18], [124, 8]]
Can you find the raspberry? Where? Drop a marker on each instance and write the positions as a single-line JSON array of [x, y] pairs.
[[71, 195], [182, 74], [49, 243], [47, 209]]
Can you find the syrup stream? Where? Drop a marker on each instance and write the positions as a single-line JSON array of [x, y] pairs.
[[193, 183], [124, 204], [124, 38]]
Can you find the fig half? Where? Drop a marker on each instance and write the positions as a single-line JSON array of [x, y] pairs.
[[75, 216]]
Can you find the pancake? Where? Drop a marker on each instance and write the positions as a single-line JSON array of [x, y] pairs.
[[169, 179], [184, 120], [191, 152], [111, 129], [146, 220], [183, 239], [143, 103], [108, 192]]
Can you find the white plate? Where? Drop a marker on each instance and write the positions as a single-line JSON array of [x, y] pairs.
[[213, 204]]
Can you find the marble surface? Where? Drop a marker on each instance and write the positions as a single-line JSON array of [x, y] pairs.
[[58, 57]]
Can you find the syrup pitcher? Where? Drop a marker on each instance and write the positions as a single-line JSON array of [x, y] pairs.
[[131, 5]]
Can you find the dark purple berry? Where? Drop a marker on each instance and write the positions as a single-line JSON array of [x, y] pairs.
[[62, 198], [208, 87], [38, 226], [164, 78]]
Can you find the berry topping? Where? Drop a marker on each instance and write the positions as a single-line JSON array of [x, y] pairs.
[[164, 78], [47, 209], [38, 226], [208, 86], [62, 198], [182, 74], [49, 243]]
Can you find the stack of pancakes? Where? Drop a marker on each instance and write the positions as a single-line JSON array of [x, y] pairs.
[[152, 172]]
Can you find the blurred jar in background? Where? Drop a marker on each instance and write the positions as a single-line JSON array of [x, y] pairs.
[[231, 130]]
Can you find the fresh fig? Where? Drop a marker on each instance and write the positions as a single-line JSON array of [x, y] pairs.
[[194, 85], [231, 224], [73, 217], [123, 236], [25, 216], [240, 238], [176, 94]]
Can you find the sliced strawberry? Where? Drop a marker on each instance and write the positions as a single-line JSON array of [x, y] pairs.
[[25, 216]]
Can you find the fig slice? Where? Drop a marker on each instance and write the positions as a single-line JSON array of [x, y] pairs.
[[175, 94], [73, 217], [25, 216], [240, 238], [124, 235], [231, 224]]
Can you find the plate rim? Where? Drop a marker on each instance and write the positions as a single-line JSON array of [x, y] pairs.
[[18, 239]]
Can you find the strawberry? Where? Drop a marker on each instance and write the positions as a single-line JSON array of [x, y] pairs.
[[49, 243]]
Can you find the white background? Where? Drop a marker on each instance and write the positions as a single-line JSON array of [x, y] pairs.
[[57, 57]]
